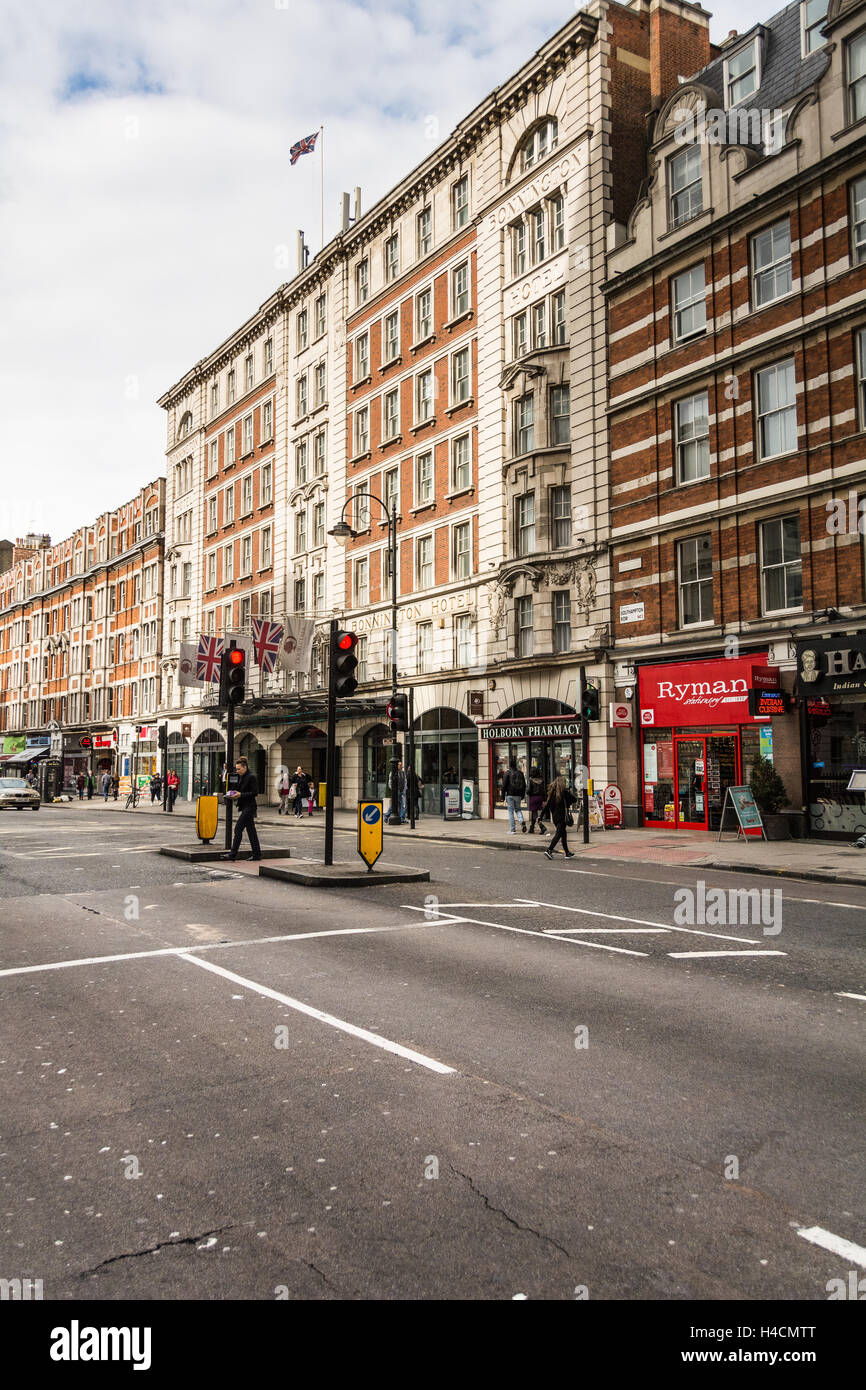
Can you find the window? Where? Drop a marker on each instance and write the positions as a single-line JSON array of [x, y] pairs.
[[361, 652], [301, 392], [319, 524], [246, 555], [228, 506], [424, 396], [774, 131], [249, 372], [539, 325], [461, 554], [321, 384], [265, 558], [771, 263], [392, 258], [460, 383], [231, 387], [301, 330], [319, 460], [777, 409], [856, 51], [362, 583], [247, 495], [557, 305], [362, 430], [464, 641], [230, 447], [300, 595], [741, 74], [536, 222], [390, 414], [460, 290], [695, 565], [248, 434], [424, 224], [214, 398], [560, 516], [267, 488], [424, 479], [211, 575], [321, 315], [525, 517], [301, 531], [861, 375], [524, 412], [362, 357], [245, 613], [211, 515], [460, 202], [318, 592], [265, 608], [685, 192], [519, 331], [858, 220], [392, 336], [268, 420], [362, 506], [560, 423], [461, 463], [543, 139], [561, 620], [424, 562], [214, 458], [518, 247], [692, 437], [781, 566], [268, 357], [523, 622], [362, 282], [689, 303], [557, 223], [423, 315], [392, 489], [228, 564]]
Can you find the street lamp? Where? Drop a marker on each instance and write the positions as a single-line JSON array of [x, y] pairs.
[[343, 532]]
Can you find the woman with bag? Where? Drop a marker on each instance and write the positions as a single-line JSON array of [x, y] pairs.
[[560, 799], [283, 792], [300, 785]]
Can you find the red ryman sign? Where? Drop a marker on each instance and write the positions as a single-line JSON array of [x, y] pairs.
[[698, 692]]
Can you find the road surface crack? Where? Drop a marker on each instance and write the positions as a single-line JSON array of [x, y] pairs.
[[527, 1230], [152, 1249]]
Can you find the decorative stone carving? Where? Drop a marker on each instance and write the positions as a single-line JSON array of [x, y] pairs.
[[585, 583]]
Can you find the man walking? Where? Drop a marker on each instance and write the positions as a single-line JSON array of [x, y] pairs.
[[514, 790], [80, 783], [414, 788], [245, 798], [106, 785]]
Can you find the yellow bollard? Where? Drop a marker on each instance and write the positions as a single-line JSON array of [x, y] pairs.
[[206, 817]]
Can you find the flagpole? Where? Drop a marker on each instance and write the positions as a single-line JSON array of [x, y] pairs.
[[322, 182]]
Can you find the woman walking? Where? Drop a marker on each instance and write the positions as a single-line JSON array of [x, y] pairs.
[[560, 799], [301, 784], [535, 801], [283, 791]]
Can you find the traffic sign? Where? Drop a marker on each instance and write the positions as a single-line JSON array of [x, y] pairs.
[[370, 821]]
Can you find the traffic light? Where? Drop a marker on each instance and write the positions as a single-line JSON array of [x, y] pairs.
[[397, 713], [162, 737], [345, 663], [233, 676], [591, 698]]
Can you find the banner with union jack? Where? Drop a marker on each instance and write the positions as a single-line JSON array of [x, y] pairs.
[[305, 146], [267, 637], [207, 661]]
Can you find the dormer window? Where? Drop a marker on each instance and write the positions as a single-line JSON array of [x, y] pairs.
[[543, 139], [742, 75], [685, 195], [812, 16]]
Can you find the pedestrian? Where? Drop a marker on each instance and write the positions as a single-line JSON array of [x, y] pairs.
[[283, 791], [106, 785], [514, 789], [115, 785], [81, 783], [172, 783], [535, 801], [155, 788], [415, 787], [245, 796], [560, 799], [90, 786], [301, 784]]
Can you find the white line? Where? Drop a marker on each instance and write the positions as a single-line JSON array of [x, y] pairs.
[[708, 868], [700, 955], [843, 994], [375, 1038], [606, 931], [638, 921], [524, 931], [846, 1248]]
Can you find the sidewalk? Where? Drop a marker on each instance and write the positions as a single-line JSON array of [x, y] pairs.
[[804, 859]]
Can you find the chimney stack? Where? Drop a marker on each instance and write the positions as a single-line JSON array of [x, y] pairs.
[[679, 43]]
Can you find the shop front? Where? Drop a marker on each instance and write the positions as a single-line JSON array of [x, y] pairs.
[[536, 734], [831, 683], [699, 735]]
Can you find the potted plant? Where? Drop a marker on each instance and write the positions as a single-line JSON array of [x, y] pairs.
[[768, 789]]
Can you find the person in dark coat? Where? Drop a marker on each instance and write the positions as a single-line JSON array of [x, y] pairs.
[[303, 790], [115, 785], [414, 788], [81, 783], [244, 796], [90, 786], [514, 790], [535, 801], [560, 799]]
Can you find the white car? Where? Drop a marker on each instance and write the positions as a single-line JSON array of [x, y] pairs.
[[16, 794]]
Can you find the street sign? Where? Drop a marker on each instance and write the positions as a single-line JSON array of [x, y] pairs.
[[467, 792], [370, 823], [612, 801], [742, 802], [451, 803]]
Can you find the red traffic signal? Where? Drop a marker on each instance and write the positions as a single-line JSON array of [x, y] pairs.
[[345, 663], [233, 676], [236, 657], [397, 713]]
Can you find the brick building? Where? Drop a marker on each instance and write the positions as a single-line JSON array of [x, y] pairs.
[[737, 326]]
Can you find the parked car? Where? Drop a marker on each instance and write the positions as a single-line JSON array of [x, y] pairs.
[[15, 794]]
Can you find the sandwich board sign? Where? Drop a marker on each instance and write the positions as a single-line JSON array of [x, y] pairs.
[[741, 801], [370, 823]]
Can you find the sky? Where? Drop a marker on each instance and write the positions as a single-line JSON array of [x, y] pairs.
[[148, 207]]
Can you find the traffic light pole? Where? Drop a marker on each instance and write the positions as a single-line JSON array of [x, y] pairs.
[[230, 762], [394, 814], [331, 755], [411, 783], [584, 750]]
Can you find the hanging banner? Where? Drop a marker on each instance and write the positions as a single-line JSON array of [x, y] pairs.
[[296, 648], [186, 665]]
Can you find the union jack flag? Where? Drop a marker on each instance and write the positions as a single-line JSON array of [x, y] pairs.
[[305, 146], [267, 637], [207, 659]]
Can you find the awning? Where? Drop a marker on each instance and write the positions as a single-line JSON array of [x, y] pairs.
[[29, 755]]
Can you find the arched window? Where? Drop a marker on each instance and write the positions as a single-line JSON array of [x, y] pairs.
[[536, 709], [539, 144], [185, 425]]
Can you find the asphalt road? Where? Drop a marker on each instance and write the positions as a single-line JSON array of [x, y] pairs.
[[522, 1078]]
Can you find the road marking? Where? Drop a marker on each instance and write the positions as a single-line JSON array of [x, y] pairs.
[[638, 921], [339, 1023], [700, 955], [607, 931], [843, 994], [524, 931], [708, 869], [816, 1235]]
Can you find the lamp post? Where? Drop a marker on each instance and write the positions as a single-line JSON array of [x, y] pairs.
[[343, 532]]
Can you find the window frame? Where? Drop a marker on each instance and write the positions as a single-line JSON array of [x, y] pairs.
[[457, 554], [858, 247], [422, 480], [860, 39], [426, 374], [558, 518], [682, 441], [420, 566], [557, 392], [783, 564], [558, 623], [524, 645], [525, 524], [678, 337], [362, 281], [391, 263], [460, 383], [524, 429], [424, 240], [361, 436], [755, 45], [456, 484], [458, 310], [699, 580], [391, 421], [458, 207], [392, 317], [772, 266], [761, 415], [675, 221]]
